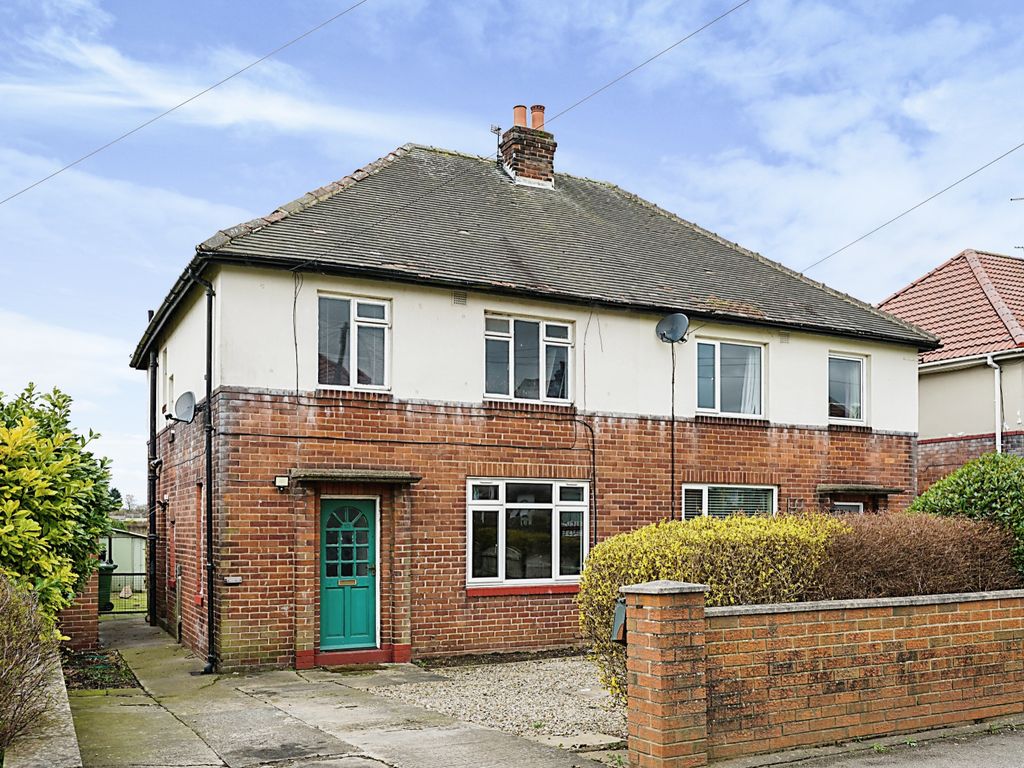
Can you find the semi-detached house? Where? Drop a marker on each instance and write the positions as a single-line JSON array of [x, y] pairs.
[[436, 384]]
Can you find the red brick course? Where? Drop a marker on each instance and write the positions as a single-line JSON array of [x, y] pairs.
[[270, 538], [726, 683], [81, 620]]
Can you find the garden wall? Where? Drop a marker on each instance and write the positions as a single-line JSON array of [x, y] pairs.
[[81, 620], [725, 682]]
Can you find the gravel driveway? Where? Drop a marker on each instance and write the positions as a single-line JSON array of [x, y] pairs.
[[553, 697]]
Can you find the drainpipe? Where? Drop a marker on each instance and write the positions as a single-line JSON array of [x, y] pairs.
[[997, 379], [151, 492], [211, 655]]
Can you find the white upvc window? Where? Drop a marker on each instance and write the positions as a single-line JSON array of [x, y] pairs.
[[847, 385], [724, 500], [848, 507], [730, 378], [527, 359], [354, 343], [526, 531]]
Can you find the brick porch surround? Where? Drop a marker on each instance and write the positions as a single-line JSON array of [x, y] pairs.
[[270, 538]]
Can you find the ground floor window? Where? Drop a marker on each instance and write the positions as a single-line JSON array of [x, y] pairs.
[[725, 500], [521, 531]]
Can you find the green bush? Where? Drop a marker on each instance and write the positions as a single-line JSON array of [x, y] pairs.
[[990, 487], [55, 499], [28, 651], [893, 555], [742, 560]]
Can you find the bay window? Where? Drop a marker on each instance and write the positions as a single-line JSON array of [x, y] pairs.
[[845, 388], [353, 342], [526, 359], [729, 378], [526, 531]]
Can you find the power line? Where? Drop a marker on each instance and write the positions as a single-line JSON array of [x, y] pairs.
[[913, 208], [445, 182], [190, 99]]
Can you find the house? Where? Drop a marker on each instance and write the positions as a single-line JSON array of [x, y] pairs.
[[972, 387], [436, 383]]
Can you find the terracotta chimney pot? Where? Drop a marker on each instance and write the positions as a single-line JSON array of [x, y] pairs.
[[519, 115], [536, 117]]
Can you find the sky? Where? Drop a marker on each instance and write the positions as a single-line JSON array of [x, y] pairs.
[[791, 127]]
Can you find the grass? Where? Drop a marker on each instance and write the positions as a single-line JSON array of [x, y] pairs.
[[96, 670]]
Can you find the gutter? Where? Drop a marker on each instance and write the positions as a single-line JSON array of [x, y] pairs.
[[997, 381], [969, 361]]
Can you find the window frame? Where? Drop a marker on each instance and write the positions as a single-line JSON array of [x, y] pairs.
[[717, 410], [568, 343], [705, 487], [355, 322], [858, 507], [863, 360], [500, 507]]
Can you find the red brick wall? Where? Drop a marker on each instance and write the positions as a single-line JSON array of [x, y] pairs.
[[81, 621], [937, 457], [778, 680], [723, 683], [269, 538]]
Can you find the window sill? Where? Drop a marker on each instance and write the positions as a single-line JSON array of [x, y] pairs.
[[522, 589], [538, 406], [840, 426], [381, 395], [739, 421]]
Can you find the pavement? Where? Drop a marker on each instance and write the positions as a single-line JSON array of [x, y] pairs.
[[285, 719]]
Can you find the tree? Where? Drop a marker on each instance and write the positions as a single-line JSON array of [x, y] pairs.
[[115, 498], [55, 498]]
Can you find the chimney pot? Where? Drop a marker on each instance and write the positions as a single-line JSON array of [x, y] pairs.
[[519, 115], [536, 116]]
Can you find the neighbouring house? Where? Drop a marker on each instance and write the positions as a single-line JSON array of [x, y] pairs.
[[972, 387], [436, 383]]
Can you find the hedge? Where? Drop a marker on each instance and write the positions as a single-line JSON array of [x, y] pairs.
[[751, 560], [990, 487], [741, 559]]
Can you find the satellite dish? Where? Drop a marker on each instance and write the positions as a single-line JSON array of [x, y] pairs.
[[185, 407], [672, 328]]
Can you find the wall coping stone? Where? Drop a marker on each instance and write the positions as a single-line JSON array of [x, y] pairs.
[[839, 605], [663, 587]]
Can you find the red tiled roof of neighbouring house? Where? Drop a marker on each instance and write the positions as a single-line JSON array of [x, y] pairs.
[[974, 303]]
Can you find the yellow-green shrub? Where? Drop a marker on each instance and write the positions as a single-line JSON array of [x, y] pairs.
[[743, 560]]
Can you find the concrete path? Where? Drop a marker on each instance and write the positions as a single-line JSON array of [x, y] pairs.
[[288, 719], [987, 750]]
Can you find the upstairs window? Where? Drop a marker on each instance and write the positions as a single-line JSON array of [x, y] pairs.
[[725, 500], [522, 531], [353, 343], [729, 378], [527, 359], [845, 388]]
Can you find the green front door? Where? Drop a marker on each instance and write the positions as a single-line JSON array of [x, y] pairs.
[[348, 578]]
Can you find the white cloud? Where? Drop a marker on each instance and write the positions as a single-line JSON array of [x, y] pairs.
[[93, 369]]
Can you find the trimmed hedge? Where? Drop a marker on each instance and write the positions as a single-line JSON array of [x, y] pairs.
[[990, 487], [751, 560], [741, 559]]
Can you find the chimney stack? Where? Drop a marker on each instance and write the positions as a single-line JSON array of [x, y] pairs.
[[528, 153]]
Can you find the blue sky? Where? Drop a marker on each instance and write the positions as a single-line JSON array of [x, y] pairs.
[[791, 127]]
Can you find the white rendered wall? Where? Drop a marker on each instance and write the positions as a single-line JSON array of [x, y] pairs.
[[437, 350], [962, 401]]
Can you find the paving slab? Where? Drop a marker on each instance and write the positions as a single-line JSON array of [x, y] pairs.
[[133, 730]]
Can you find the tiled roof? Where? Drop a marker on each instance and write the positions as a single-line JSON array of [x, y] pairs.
[[974, 303], [433, 216]]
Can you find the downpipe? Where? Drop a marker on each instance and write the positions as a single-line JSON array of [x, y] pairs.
[[997, 379], [211, 655], [151, 479]]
